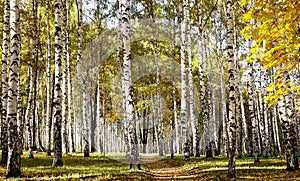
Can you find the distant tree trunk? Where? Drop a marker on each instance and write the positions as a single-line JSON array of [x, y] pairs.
[[246, 141], [65, 142], [223, 136], [29, 112], [211, 104], [82, 81], [288, 130], [39, 116], [194, 121], [48, 85], [183, 102], [276, 132], [4, 82], [70, 111], [224, 118], [34, 72], [20, 122], [232, 105], [253, 119], [204, 110], [160, 130], [173, 122], [86, 150], [14, 155], [263, 117], [57, 159], [176, 121]]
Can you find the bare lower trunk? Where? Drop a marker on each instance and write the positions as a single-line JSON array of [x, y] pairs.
[[288, 130]]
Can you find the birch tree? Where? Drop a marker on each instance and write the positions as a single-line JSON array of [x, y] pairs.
[[82, 81], [254, 122], [14, 155], [29, 111], [132, 148], [194, 121], [4, 82], [232, 105], [183, 100], [57, 136], [204, 111], [287, 123], [48, 83], [65, 141]]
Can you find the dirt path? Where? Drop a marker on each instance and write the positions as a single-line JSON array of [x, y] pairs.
[[160, 169]]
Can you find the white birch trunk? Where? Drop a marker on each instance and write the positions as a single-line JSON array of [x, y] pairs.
[[57, 146], [4, 82], [14, 155], [48, 84], [232, 104], [288, 131], [132, 152], [183, 106]]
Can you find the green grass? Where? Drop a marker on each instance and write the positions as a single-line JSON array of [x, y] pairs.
[[75, 167], [273, 168], [98, 167]]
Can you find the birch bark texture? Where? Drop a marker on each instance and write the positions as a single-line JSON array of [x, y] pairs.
[[14, 155], [57, 144], [48, 84], [130, 120], [4, 83], [232, 104], [287, 117]]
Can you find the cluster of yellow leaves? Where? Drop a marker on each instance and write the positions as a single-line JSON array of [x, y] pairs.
[[274, 27]]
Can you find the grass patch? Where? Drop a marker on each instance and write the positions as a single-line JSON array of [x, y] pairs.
[[99, 167], [75, 167]]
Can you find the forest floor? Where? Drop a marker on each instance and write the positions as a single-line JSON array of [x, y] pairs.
[[99, 167]]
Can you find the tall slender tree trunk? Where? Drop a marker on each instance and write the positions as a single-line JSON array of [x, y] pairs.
[[20, 120], [34, 72], [255, 138], [57, 146], [65, 140], [194, 121], [70, 122], [183, 106], [86, 150], [160, 129], [204, 111], [4, 82], [48, 85], [82, 81], [276, 132], [29, 112], [232, 105], [14, 155], [124, 6]]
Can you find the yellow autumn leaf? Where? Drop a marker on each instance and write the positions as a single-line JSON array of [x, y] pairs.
[[244, 2]]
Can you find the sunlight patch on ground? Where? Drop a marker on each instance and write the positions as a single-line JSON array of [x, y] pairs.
[[245, 168]]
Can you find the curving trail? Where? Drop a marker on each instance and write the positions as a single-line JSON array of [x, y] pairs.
[[160, 169]]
